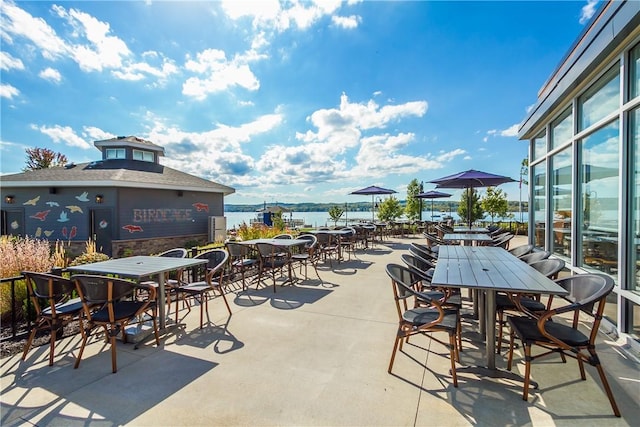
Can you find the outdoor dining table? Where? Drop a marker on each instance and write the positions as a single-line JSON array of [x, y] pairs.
[[471, 230], [140, 267], [489, 269], [466, 237]]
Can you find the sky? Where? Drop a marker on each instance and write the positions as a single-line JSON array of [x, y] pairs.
[[286, 102]]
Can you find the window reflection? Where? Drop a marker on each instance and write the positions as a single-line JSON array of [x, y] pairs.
[[601, 99], [634, 76], [561, 179], [540, 145], [599, 199], [562, 129], [539, 200], [634, 133]]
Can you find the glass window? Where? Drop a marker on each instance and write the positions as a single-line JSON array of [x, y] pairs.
[[539, 211], [145, 156], [601, 99], [599, 215], [115, 153], [562, 129], [561, 180], [634, 72], [540, 145], [634, 140]]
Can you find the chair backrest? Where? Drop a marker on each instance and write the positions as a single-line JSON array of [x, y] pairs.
[[237, 250], [216, 258], [94, 289], [549, 267], [324, 239], [419, 250], [535, 256], [175, 253], [216, 263], [403, 279], [312, 240], [53, 288], [417, 266], [585, 290], [521, 250], [432, 240], [283, 236], [503, 240]]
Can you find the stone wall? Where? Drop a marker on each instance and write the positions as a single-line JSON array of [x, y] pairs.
[[124, 248]]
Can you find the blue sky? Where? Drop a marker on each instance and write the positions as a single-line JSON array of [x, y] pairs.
[[284, 101]]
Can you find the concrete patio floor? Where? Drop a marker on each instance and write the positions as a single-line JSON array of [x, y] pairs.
[[314, 354]]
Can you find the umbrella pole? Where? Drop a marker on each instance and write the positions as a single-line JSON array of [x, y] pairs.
[[469, 206], [431, 210], [373, 209]]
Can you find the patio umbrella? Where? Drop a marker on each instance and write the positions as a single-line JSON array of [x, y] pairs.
[[433, 194], [469, 180], [373, 191]]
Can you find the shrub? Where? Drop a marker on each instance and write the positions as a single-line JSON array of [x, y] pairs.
[[19, 254], [89, 255]]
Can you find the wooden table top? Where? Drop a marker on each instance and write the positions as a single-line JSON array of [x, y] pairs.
[[485, 267], [467, 237]]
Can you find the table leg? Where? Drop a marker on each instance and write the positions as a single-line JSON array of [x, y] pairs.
[[490, 316], [161, 298]]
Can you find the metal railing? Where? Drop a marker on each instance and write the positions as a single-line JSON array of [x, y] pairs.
[[14, 317]]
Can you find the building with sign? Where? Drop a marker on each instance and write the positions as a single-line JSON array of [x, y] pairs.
[[127, 202], [584, 159]]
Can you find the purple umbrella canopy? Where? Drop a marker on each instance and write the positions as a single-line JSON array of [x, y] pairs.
[[373, 191], [433, 194], [470, 179]]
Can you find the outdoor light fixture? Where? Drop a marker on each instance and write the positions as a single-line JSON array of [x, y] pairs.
[[99, 198], [180, 194], [9, 199]]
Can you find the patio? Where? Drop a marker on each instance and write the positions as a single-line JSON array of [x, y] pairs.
[[311, 354]]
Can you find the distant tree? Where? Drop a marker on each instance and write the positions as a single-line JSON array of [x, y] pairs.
[[42, 158], [495, 203], [335, 213], [476, 210], [412, 209], [390, 209]]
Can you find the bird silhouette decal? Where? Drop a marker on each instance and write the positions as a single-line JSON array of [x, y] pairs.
[[63, 217], [201, 207], [74, 208], [53, 204], [42, 215], [83, 197], [32, 202], [48, 233], [132, 228]]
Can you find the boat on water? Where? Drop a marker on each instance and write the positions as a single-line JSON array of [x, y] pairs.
[[268, 214]]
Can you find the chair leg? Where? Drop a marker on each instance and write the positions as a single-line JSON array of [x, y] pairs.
[[527, 371], [52, 345], [84, 342], [114, 367], [27, 346], [511, 345], [395, 349], [500, 322], [452, 356], [605, 383]]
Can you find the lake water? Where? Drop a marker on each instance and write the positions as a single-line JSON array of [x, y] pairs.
[[318, 219]]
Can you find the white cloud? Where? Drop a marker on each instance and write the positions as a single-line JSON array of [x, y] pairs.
[[96, 134], [218, 74], [588, 10], [346, 22], [50, 74], [511, 131], [8, 91], [63, 134], [8, 62], [19, 23]]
